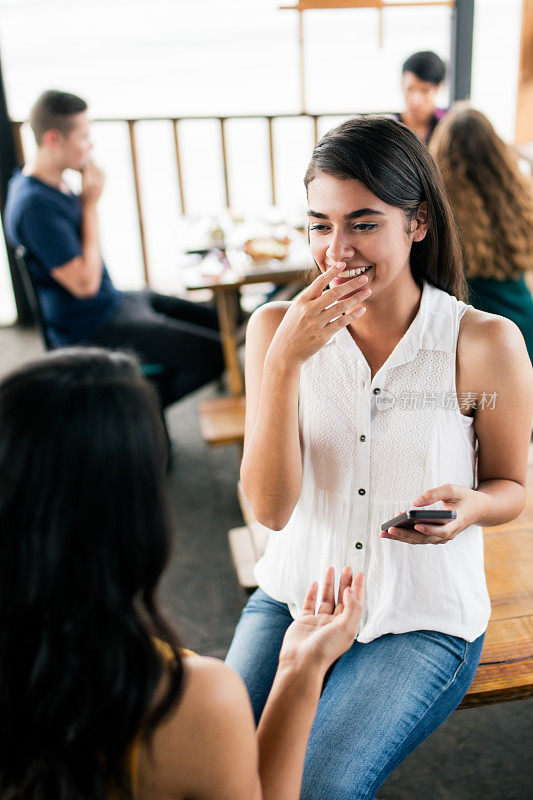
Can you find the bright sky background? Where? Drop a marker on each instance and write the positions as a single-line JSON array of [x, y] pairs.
[[223, 57]]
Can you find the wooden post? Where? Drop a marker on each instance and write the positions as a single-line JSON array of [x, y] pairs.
[[462, 40], [524, 100], [227, 308], [302, 60], [131, 127], [8, 163], [272, 166], [19, 147], [224, 158], [178, 165]]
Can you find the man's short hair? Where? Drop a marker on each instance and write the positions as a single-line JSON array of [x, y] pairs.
[[427, 66], [54, 110]]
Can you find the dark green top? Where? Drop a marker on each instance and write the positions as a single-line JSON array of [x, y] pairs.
[[509, 298]]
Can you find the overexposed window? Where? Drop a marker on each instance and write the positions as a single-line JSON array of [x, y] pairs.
[[181, 58]]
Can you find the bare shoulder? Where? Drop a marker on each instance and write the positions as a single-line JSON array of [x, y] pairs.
[[266, 319], [493, 363], [210, 680], [207, 741], [480, 327], [489, 342]]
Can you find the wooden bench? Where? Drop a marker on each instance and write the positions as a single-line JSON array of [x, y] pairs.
[[222, 420], [247, 544], [505, 671]]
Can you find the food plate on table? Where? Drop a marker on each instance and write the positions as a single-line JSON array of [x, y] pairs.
[[266, 248]]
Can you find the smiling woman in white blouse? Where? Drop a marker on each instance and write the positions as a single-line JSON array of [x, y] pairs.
[[378, 390]]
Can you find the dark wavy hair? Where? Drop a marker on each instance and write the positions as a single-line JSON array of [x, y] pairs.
[[84, 537], [391, 161]]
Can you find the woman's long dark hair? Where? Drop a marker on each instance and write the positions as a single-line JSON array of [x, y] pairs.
[[84, 538], [391, 161]]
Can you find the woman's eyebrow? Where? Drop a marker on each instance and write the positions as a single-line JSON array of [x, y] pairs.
[[361, 212]]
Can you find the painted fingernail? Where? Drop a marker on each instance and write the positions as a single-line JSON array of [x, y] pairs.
[[420, 528], [366, 293], [362, 279]]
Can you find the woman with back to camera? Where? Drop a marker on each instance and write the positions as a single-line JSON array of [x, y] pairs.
[[96, 699], [492, 202], [354, 415]]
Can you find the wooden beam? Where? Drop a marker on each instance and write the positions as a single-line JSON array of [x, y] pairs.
[[305, 5], [524, 100], [138, 198], [325, 5]]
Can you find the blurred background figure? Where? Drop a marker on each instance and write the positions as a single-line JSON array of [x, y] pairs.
[[493, 205], [422, 77], [59, 232]]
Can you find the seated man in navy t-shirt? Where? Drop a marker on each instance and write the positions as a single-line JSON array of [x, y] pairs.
[[80, 305]]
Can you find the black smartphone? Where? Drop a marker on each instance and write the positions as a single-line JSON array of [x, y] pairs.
[[419, 515]]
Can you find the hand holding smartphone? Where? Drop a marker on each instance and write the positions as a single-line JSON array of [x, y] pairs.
[[415, 516]]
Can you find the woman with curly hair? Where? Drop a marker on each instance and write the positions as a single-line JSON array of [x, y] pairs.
[[493, 206]]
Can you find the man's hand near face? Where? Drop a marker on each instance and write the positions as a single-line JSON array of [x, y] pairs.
[[92, 183], [82, 276]]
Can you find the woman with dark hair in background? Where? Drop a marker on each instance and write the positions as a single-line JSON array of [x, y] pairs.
[[97, 700], [422, 77], [354, 417], [492, 203]]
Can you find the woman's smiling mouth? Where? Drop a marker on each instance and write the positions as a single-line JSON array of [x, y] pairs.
[[351, 273]]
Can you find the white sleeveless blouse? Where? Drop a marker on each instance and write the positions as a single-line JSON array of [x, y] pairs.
[[371, 447]]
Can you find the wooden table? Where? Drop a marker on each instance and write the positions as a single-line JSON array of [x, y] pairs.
[[226, 289], [505, 671]]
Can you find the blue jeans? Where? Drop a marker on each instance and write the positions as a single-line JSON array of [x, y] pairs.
[[379, 702]]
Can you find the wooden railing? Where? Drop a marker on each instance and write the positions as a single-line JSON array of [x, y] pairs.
[[175, 122], [526, 154], [222, 124]]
